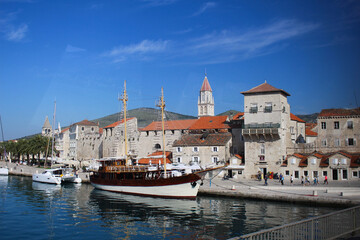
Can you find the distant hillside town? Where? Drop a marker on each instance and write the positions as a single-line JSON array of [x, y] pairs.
[[265, 138]]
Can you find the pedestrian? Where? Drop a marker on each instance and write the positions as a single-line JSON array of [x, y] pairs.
[[291, 179], [307, 180], [315, 181], [302, 180], [265, 179], [282, 180], [326, 180], [280, 177]]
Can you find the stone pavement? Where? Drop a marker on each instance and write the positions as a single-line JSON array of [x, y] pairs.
[[342, 192]]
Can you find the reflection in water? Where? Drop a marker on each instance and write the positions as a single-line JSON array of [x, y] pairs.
[[44, 211]]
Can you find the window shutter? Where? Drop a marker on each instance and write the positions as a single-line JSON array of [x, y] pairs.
[[346, 142]]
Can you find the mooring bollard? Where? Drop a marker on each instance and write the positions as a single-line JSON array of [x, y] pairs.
[[233, 187], [315, 193]]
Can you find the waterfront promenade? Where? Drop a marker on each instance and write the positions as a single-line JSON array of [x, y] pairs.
[[342, 192]]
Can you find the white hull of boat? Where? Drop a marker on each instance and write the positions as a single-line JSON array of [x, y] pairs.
[[46, 178], [4, 171], [183, 190]]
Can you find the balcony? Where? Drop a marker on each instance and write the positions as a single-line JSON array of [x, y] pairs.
[[265, 129]]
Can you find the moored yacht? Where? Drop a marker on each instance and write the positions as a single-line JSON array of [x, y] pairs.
[[57, 176], [160, 180]]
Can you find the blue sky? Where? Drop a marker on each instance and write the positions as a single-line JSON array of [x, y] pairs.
[[80, 53]]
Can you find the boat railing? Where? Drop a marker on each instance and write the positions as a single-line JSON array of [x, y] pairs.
[[329, 226], [125, 169]]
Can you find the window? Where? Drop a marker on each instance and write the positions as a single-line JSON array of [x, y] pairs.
[[214, 159], [195, 159], [82, 128], [350, 142], [291, 129], [336, 125], [305, 173], [296, 174], [157, 146], [253, 108], [315, 174], [344, 173], [195, 149], [262, 149], [354, 173], [178, 159], [335, 161], [179, 149], [313, 161], [287, 173], [343, 161], [324, 173], [350, 124], [323, 143], [323, 125], [293, 161], [268, 107], [337, 142], [215, 149], [92, 129]]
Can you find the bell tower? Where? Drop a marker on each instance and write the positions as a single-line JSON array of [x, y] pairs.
[[206, 100]]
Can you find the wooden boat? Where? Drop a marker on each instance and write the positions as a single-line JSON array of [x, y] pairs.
[[123, 175]]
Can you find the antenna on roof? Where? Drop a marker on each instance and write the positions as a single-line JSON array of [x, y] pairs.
[[205, 72], [265, 80]]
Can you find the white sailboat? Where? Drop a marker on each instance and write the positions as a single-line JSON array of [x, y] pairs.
[[56, 175]]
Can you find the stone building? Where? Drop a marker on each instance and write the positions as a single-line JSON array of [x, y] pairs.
[[338, 129], [46, 130], [85, 141], [339, 165], [62, 143], [113, 138], [150, 139], [206, 100], [269, 130], [208, 142]]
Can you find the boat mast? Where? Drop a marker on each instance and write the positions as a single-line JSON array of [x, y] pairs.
[[3, 140], [162, 106], [124, 100], [52, 147]]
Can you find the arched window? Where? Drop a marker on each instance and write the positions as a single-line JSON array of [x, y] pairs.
[[157, 146]]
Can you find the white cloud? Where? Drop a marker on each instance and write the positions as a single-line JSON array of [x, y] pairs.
[[254, 42], [157, 3], [72, 49], [139, 50], [205, 6], [17, 34]]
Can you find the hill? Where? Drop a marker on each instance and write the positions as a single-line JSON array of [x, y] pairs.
[[229, 113], [144, 115], [309, 118]]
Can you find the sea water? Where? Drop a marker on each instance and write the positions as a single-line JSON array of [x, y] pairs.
[[30, 210]]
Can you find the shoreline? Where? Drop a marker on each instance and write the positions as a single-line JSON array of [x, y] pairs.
[[335, 194]]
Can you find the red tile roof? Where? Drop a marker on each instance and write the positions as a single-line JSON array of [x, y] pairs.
[[206, 85], [170, 125], [206, 139], [308, 132], [118, 122], [212, 122], [85, 123], [238, 116], [339, 112], [265, 88], [295, 118], [355, 161], [155, 157], [64, 130]]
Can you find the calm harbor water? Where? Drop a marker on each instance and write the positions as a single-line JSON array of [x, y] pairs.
[[42, 211]]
